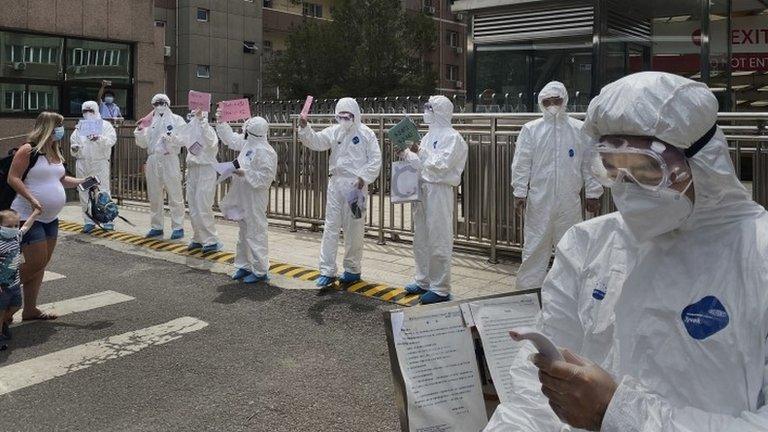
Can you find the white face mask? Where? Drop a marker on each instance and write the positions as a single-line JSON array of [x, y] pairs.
[[109, 99], [649, 214], [162, 109], [89, 116], [554, 109], [346, 124], [429, 117]]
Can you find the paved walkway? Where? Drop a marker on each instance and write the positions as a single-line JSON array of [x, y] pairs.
[[392, 263]]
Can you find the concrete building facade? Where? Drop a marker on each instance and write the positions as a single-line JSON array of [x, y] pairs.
[[55, 53], [213, 46]]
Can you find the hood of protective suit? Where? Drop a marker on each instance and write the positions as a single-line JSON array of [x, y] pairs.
[[552, 90], [443, 109], [678, 111], [257, 128], [669, 107], [349, 105], [92, 106], [161, 97]]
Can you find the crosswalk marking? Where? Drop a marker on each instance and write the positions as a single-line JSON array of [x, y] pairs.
[[51, 276], [40, 369], [81, 304]]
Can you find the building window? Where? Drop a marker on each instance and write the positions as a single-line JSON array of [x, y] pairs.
[[203, 14], [42, 72], [313, 10], [267, 44], [249, 47], [267, 3], [203, 71], [452, 72], [452, 39]]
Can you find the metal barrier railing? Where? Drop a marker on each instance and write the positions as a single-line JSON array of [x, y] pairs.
[[484, 221]]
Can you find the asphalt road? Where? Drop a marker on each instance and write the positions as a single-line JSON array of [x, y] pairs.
[[269, 359]]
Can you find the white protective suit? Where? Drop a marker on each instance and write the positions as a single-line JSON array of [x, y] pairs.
[[163, 170], [201, 179], [248, 196], [92, 156], [355, 153], [441, 160], [551, 165], [680, 320]]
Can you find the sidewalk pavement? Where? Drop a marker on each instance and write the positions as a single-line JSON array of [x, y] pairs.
[[392, 263]]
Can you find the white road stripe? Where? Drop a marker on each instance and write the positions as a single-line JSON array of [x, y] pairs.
[[52, 276], [80, 304], [40, 369]]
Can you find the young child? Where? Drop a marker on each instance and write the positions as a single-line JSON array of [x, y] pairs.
[[10, 259]]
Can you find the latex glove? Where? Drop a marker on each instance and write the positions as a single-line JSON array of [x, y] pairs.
[[302, 123], [240, 172], [360, 183], [579, 391]]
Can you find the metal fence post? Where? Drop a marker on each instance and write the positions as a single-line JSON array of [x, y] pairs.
[[493, 259], [294, 189], [382, 183]]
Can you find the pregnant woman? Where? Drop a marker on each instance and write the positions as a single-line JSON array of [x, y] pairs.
[[37, 175]]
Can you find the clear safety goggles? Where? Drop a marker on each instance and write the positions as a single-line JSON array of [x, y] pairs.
[[88, 111], [344, 116], [650, 164], [158, 103], [428, 107]]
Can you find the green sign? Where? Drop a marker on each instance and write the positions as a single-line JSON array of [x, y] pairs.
[[404, 133]]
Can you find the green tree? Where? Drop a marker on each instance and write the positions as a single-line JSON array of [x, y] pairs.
[[371, 48]]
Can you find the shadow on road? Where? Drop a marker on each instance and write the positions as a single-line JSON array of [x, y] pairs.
[[234, 292], [37, 333]]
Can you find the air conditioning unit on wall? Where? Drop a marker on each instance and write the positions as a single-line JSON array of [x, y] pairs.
[[167, 51], [19, 66], [429, 10], [459, 84]]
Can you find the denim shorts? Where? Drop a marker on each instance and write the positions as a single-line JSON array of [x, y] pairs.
[[10, 297], [41, 231]]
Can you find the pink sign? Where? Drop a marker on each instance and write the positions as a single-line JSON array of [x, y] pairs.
[[307, 106], [199, 101], [233, 110], [146, 121]]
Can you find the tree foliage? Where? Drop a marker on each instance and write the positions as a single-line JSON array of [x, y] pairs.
[[371, 48]]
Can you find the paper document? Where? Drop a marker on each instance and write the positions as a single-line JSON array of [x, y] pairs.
[[405, 183], [439, 368], [494, 319], [403, 134], [234, 110], [92, 127], [225, 170], [195, 148]]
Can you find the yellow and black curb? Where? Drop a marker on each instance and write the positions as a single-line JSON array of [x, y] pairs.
[[368, 289]]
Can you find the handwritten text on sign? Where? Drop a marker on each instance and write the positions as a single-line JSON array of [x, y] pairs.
[[199, 101], [233, 110]]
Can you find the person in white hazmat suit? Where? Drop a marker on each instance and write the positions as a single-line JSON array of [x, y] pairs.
[[163, 170], [248, 196], [92, 156], [202, 149], [549, 169], [662, 306], [440, 159], [355, 162]]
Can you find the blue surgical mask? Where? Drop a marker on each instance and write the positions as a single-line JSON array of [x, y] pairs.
[[109, 99], [58, 133], [7, 233]]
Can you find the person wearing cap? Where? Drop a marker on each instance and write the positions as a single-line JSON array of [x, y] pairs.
[[92, 154], [661, 308], [549, 170], [163, 169]]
